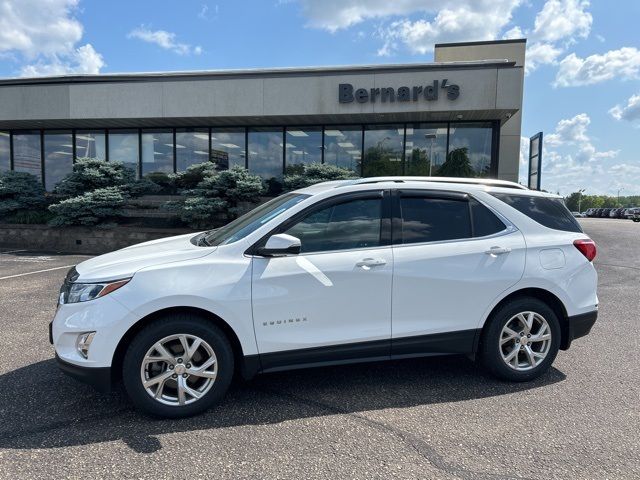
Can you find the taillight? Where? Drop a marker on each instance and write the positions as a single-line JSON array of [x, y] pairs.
[[587, 247]]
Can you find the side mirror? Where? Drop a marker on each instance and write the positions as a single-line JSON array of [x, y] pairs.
[[279, 245]]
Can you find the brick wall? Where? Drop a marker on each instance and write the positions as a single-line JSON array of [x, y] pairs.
[[78, 239]]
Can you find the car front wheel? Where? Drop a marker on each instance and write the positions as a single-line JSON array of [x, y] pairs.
[[177, 367], [521, 340]]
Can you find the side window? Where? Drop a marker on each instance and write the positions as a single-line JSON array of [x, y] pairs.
[[352, 224], [547, 211], [484, 221], [434, 219]]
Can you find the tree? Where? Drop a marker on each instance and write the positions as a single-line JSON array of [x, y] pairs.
[[219, 197], [20, 192], [300, 176], [457, 164]]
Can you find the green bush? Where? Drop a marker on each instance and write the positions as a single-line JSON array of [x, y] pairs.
[[219, 197], [90, 174], [20, 193], [30, 217], [193, 175], [163, 180], [300, 176], [98, 206]]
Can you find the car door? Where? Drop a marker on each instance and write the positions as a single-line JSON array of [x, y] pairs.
[[452, 257], [332, 301]]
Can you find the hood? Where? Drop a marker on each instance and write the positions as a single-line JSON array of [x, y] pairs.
[[124, 263]]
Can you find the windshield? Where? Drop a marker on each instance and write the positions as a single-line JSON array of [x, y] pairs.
[[251, 221]]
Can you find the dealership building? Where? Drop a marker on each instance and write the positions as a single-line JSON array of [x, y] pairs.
[[460, 115]]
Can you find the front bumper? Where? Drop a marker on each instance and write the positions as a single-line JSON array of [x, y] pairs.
[[578, 326], [97, 377]]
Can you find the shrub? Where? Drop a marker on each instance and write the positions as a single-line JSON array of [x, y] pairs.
[[90, 174], [30, 217], [219, 197], [144, 186], [164, 181], [20, 192], [193, 175], [90, 208], [313, 173]]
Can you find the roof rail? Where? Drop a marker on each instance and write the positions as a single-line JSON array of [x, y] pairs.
[[491, 182]]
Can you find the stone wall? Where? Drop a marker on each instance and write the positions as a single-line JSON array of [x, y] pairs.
[[89, 240]]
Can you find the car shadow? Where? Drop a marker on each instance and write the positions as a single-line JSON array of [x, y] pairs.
[[42, 408]]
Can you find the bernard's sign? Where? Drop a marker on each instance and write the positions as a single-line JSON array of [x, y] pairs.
[[347, 93]]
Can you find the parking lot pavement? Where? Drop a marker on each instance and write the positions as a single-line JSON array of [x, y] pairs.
[[428, 418]]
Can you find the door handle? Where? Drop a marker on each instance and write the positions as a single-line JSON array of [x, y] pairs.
[[367, 263], [497, 250]]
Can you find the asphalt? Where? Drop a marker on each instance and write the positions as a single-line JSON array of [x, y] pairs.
[[439, 418]]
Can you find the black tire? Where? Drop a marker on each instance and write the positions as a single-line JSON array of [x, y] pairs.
[[490, 354], [171, 325]]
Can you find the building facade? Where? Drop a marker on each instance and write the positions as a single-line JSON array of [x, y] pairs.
[[458, 116]]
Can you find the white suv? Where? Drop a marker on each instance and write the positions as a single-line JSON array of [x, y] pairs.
[[340, 272]]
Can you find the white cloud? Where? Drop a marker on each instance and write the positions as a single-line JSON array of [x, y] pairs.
[[515, 32], [561, 19], [572, 132], [629, 112], [45, 36], [541, 54], [574, 71], [164, 39], [455, 20], [83, 60], [476, 20]]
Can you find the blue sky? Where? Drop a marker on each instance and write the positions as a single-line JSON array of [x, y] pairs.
[[582, 88]]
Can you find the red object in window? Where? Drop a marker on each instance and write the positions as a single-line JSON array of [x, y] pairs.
[[587, 247]]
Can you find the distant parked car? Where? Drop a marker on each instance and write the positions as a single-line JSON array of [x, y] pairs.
[[635, 215], [578, 214], [630, 212], [616, 213], [591, 212]]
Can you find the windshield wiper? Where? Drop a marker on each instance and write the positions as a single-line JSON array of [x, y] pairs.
[[202, 241]]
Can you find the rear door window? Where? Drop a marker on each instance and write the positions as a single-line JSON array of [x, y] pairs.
[[428, 219], [549, 212]]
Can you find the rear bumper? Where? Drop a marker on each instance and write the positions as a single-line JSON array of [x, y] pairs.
[[97, 377], [578, 326]]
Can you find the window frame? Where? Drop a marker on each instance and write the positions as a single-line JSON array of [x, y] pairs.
[[396, 222], [385, 222]]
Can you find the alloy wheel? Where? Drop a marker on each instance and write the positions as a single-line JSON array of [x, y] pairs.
[[179, 369], [525, 341]]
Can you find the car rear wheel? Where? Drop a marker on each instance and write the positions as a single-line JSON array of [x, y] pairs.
[[521, 340], [177, 367]]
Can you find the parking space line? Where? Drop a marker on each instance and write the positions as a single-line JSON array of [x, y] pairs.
[[11, 251], [33, 273]]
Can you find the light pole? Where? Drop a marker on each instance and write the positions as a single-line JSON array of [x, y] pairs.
[[580, 200], [432, 137], [621, 188]]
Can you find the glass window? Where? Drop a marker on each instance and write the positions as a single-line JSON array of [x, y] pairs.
[[383, 150], [434, 219], [5, 151], [91, 144], [228, 147], [484, 220], [343, 147], [157, 151], [265, 152], [26, 153], [352, 224], [548, 211], [425, 149], [124, 147], [251, 221], [192, 147], [304, 146], [469, 150], [58, 157]]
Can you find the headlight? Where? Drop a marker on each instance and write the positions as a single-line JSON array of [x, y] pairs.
[[83, 292]]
